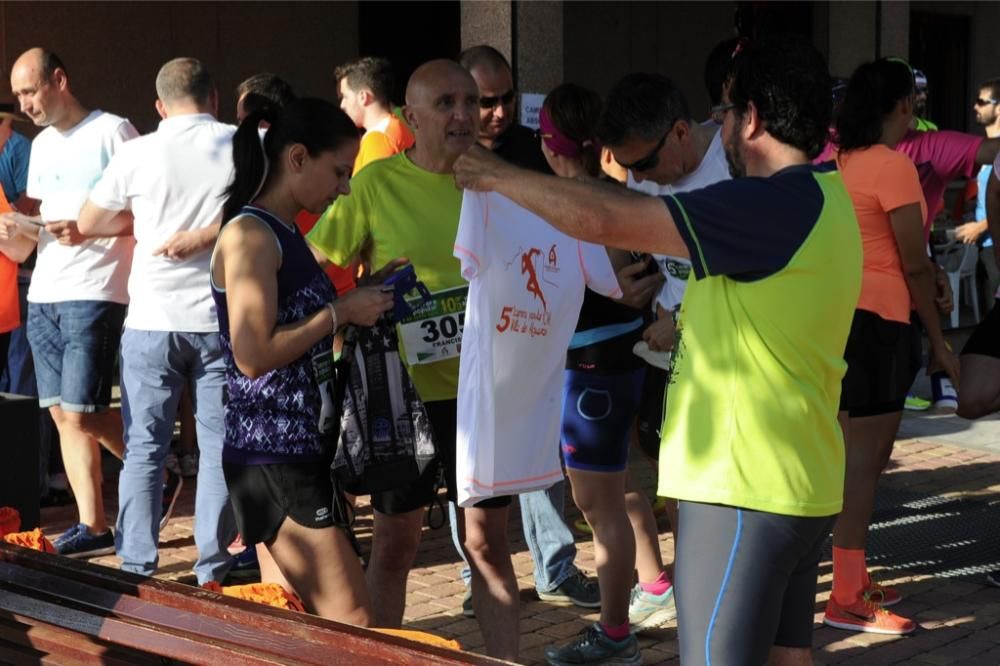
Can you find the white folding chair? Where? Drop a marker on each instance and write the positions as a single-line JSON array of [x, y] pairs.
[[959, 262]]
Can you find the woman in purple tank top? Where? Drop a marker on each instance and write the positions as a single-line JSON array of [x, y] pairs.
[[277, 316]]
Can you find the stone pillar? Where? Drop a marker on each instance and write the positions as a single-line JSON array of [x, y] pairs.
[[895, 37], [538, 45], [852, 36], [528, 34], [489, 22]]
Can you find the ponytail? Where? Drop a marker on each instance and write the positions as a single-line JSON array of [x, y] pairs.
[[250, 162], [316, 124]]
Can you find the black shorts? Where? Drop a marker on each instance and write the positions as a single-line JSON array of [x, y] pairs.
[[443, 415], [650, 418], [985, 340], [746, 581], [264, 495], [883, 358]]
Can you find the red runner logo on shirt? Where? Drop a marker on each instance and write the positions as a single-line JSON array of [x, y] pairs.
[[528, 266]]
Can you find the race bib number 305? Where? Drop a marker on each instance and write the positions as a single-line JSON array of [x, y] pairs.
[[434, 331]]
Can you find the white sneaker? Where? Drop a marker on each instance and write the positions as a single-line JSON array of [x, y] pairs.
[[657, 359]]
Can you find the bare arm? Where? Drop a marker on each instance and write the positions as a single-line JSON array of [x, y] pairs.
[[17, 250], [248, 260], [96, 221], [597, 212], [987, 152], [183, 244], [18, 235], [907, 227], [993, 212]]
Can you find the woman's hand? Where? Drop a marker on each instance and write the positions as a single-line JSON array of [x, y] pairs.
[[363, 306]]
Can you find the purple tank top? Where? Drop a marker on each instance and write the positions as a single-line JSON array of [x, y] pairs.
[[285, 414]]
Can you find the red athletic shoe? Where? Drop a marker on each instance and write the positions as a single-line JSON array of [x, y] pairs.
[[884, 596], [868, 616]]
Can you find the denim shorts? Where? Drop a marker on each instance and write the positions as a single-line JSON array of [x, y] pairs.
[[75, 345]]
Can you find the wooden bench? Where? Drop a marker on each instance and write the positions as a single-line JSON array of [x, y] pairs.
[[55, 610]]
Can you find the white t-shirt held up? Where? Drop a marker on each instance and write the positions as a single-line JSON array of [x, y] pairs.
[[527, 281]]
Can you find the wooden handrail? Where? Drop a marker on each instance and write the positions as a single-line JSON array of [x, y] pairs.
[[54, 594]]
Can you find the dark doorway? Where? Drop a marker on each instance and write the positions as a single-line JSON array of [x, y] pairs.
[[756, 19], [409, 34], [939, 46]]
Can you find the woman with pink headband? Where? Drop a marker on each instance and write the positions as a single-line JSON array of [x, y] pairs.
[[603, 386]]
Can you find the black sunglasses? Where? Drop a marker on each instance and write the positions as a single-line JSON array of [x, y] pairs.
[[649, 162], [492, 102], [984, 102]]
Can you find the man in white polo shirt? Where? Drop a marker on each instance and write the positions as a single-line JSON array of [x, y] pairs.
[[77, 297], [173, 181]]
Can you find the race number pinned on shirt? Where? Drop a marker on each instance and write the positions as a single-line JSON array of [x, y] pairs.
[[434, 331]]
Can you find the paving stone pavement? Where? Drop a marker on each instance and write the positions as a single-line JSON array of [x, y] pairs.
[[959, 616]]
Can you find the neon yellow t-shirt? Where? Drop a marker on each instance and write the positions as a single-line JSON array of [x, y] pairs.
[[406, 212], [751, 417]]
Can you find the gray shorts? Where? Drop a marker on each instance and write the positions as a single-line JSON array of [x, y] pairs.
[[745, 581]]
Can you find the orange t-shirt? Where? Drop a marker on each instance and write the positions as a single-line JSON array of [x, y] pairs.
[[880, 180], [10, 309], [380, 143]]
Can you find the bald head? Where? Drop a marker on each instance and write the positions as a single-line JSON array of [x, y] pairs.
[[182, 80], [39, 82], [441, 108], [435, 76], [485, 57], [41, 61]]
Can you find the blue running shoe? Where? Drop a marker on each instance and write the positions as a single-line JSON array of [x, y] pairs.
[[245, 561], [80, 543]]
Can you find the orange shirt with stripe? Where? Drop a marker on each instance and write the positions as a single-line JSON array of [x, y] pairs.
[[10, 309], [379, 143], [880, 180]]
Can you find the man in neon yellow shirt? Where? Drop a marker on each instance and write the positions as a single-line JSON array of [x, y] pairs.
[[751, 444], [408, 205]]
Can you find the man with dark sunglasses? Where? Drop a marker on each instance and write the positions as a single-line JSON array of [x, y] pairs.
[[987, 109], [648, 126], [498, 129]]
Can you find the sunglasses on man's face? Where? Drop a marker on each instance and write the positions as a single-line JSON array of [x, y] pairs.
[[492, 102], [652, 159], [979, 101]]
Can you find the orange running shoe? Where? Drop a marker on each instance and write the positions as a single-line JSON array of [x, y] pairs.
[[883, 595], [868, 616]]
